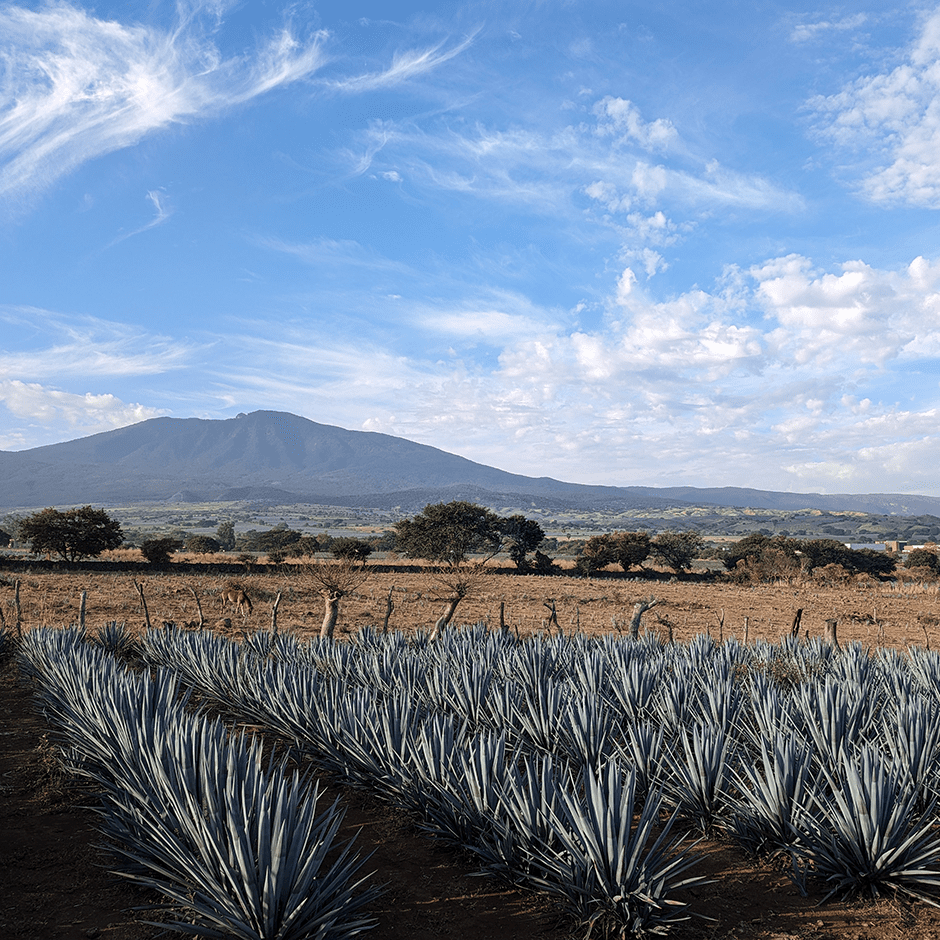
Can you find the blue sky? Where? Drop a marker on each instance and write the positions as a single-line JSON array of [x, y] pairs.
[[624, 243]]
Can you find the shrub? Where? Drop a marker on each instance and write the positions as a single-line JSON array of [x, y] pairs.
[[202, 545], [351, 548], [158, 551]]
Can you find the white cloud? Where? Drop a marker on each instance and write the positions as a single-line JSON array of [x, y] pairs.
[[621, 119], [74, 87], [893, 120], [84, 414], [805, 32], [80, 346], [405, 66]]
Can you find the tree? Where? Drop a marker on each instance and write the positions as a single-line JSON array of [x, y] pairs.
[[5, 538], [520, 536], [202, 545], [351, 548], [158, 551], [596, 553], [225, 534], [455, 583], [631, 548], [677, 550], [922, 558], [334, 580], [72, 534], [448, 532]]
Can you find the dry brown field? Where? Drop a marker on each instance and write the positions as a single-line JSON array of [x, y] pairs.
[[54, 879], [900, 613]]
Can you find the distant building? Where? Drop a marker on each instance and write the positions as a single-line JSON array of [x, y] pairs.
[[874, 546]]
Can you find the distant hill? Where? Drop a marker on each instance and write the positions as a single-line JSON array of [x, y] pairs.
[[279, 457]]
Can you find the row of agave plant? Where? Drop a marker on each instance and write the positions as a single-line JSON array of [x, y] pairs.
[[567, 764], [557, 761], [238, 845]]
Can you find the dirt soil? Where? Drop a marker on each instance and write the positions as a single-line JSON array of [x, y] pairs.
[[54, 880]]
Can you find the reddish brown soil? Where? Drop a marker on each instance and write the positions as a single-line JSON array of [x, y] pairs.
[[54, 883]]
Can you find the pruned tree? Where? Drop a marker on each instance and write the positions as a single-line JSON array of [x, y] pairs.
[[677, 550], [449, 532], [598, 552], [71, 534], [334, 581], [519, 537], [454, 583]]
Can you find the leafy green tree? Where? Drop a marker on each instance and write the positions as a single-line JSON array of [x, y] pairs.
[[158, 551], [202, 545], [816, 553], [677, 550], [278, 538], [351, 548], [922, 558], [597, 552], [72, 534], [449, 532], [631, 548], [225, 534], [520, 536]]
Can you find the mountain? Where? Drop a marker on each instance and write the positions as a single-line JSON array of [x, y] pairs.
[[282, 458]]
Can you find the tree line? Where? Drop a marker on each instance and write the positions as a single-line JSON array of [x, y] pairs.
[[449, 533]]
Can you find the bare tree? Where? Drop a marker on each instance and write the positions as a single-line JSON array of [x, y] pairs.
[[454, 583], [334, 581]]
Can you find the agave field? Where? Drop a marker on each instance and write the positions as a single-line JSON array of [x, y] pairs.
[[585, 768]]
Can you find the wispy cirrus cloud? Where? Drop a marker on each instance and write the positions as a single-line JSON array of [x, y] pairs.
[[630, 168], [73, 346], [74, 87], [405, 66]]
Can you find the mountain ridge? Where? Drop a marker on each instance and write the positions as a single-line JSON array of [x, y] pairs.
[[304, 461]]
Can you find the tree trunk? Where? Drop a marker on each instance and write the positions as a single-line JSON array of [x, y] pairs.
[[18, 609], [389, 607], [277, 600], [552, 615], [830, 636], [330, 613], [795, 628], [445, 618], [202, 619], [143, 604], [640, 608]]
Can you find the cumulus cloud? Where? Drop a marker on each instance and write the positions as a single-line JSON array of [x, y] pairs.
[[896, 116], [86, 414], [74, 87]]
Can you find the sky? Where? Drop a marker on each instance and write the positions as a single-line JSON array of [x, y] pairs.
[[625, 243]]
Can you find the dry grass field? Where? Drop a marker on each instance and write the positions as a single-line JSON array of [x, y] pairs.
[[900, 613], [55, 887]]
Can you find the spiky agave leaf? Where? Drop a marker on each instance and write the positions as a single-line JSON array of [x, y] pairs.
[[610, 868], [763, 819], [866, 836], [698, 781]]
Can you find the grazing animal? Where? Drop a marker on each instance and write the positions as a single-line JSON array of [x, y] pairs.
[[238, 599]]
